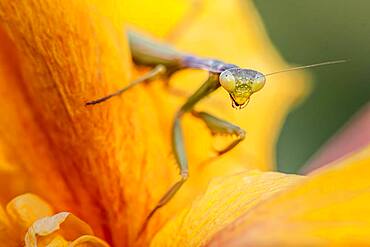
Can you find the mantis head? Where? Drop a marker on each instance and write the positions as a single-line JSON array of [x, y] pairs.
[[241, 84]]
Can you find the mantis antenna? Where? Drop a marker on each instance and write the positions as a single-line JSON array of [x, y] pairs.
[[308, 66]]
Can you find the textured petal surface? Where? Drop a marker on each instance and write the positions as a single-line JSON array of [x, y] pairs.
[[328, 208], [12, 178], [225, 200], [62, 53]]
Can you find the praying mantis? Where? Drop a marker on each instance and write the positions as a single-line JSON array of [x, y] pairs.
[[238, 82]]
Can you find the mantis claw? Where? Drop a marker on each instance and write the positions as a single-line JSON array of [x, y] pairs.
[[221, 127]]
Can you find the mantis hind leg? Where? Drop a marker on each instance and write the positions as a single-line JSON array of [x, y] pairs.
[[156, 71], [180, 155], [219, 126]]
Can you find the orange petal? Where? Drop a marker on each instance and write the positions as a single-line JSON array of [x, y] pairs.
[[20, 213], [225, 200], [329, 208], [60, 227], [25, 209], [13, 180], [66, 52], [8, 235]]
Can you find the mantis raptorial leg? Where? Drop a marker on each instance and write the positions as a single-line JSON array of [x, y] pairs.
[[219, 126]]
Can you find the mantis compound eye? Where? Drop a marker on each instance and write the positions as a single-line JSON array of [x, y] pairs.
[[258, 82], [227, 81]]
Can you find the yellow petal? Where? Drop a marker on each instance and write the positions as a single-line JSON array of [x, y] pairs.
[[83, 241], [232, 31], [57, 241], [225, 200], [88, 241], [229, 30], [329, 208], [158, 17]]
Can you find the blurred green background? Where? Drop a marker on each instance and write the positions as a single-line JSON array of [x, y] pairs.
[[311, 31]]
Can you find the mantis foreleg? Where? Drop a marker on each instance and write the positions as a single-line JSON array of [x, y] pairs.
[[219, 126]]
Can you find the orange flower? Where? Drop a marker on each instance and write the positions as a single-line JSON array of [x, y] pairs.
[[109, 164]]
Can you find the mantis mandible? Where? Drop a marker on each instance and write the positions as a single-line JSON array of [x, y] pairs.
[[239, 83]]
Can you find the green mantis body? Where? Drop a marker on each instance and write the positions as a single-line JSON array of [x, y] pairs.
[[239, 83]]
